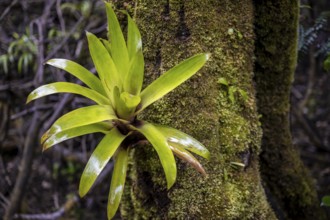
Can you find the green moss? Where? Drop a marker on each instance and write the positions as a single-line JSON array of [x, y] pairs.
[[276, 52], [201, 108]]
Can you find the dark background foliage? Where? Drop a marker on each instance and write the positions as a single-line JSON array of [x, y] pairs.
[[310, 110], [33, 31]]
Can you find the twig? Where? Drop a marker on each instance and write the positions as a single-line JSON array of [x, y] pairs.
[[4, 199], [62, 23], [65, 39], [312, 133], [311, 79], [30, 110], [25, 167], [32, 133], [60, 15], [4, 172], [69, 204], [17, 85], [5, 12], [58, 110]]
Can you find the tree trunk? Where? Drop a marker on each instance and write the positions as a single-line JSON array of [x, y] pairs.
[[219, 116], [286, 179]]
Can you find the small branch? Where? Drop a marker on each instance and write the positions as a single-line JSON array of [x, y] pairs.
[[312, 133], [69, 204], [30, 110], [311, 79], [317, 159], [24, 168], [58, 109], [32, 133], [65, 39], [5, 200], [17, 85], [8, 9]]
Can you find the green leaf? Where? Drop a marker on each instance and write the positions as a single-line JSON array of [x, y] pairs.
[[131, 101], [188, 157], [231, 91], [4, 61], [65, 87], [134, 78], [75, 132], [134, 42], [118, 45], [80, 72], [99, 158], [243, 94], [326, 64], [223, 81], [121, 108], [81, 116], [117, 181], [20, 64], [107, 45], [104, 64], [171, 79], [158, 141], [325, 201], [178, 138]]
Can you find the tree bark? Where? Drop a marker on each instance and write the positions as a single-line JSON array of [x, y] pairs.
[[204, 108], [287, 181], [173, 31]]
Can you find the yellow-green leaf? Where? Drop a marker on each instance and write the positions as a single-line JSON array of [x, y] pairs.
[[121, 109], [99, 158], [158, 141], [107, 45], [171, 79], [81, 116], [134, 42], [117, 181], [80, 72], [131, 101], [65, 87], [118, 46], [134, 78], [179, 138], [75, 132], [104, 64]]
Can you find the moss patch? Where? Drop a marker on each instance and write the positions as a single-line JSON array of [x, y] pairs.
[[173, 31]]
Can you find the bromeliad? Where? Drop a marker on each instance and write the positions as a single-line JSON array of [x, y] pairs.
[[119, 99]]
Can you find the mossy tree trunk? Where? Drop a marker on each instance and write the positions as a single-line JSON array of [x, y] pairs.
[[202, 107], [287, 181]]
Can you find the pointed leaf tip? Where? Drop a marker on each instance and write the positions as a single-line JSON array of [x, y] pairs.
[[117, 181], [75, 69], [188, 157], [172, 79], [59, 137], [104, 64], [119, 51], [65, 87]]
